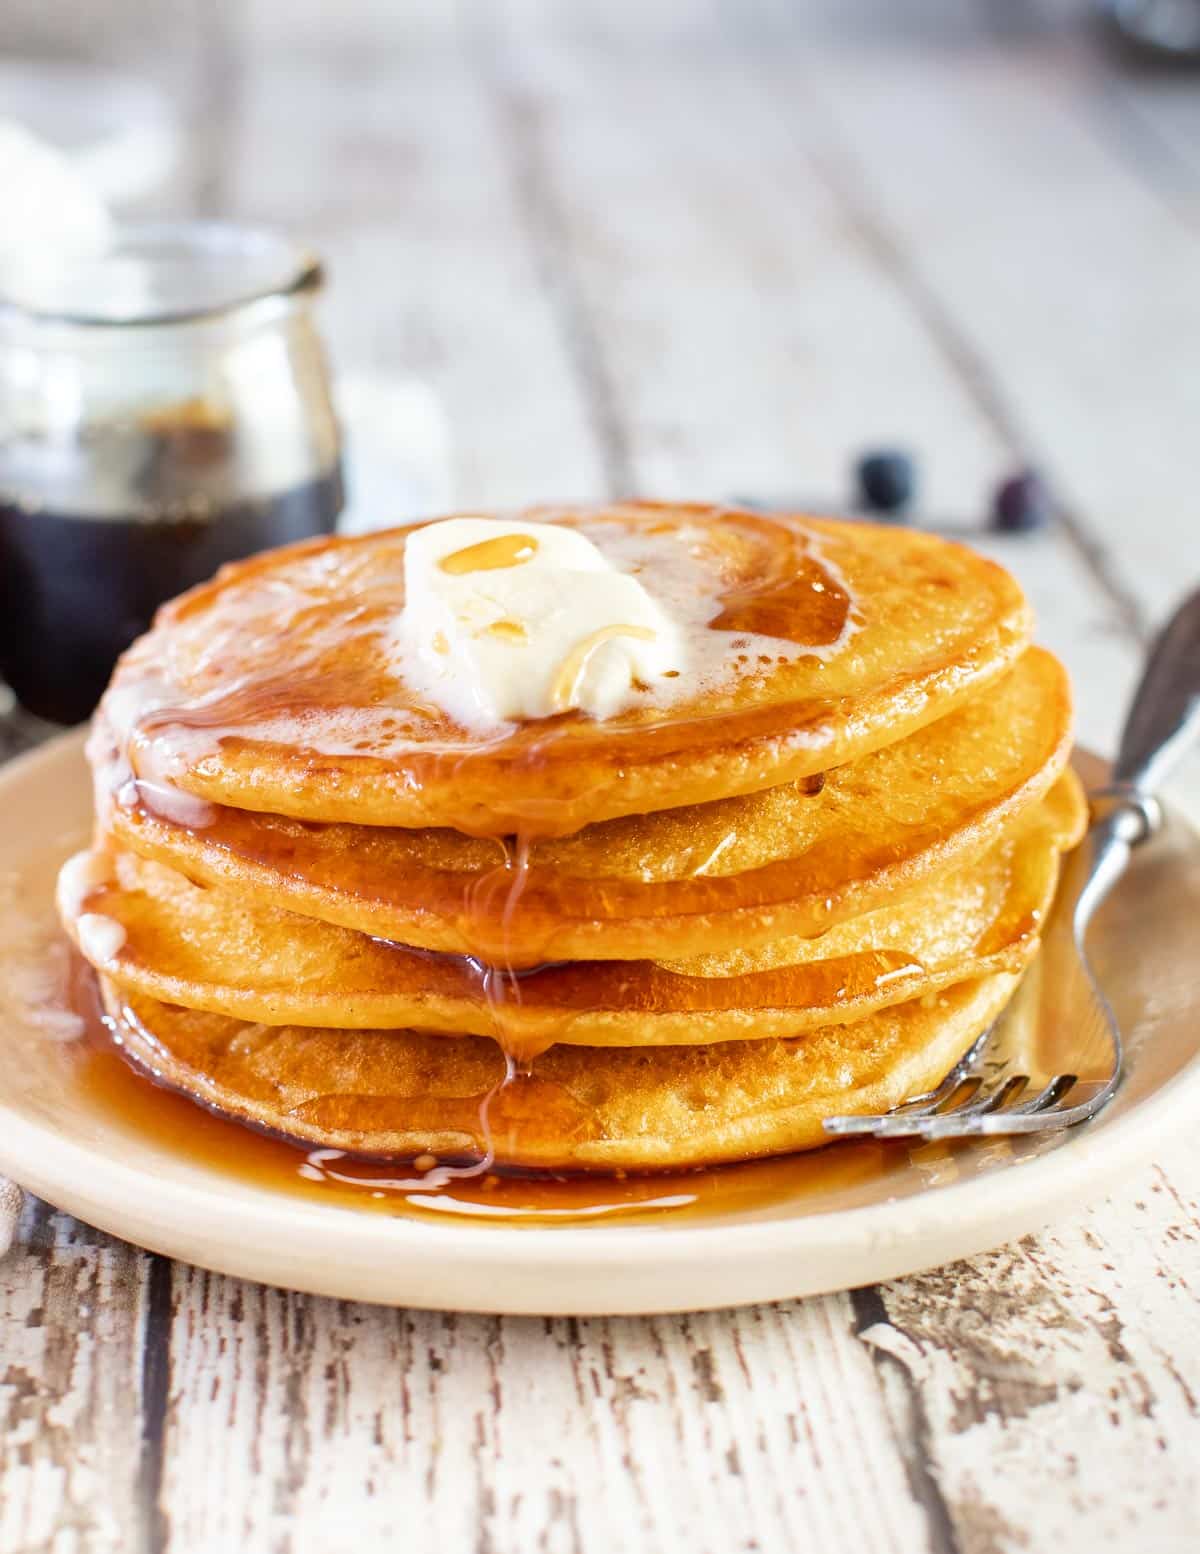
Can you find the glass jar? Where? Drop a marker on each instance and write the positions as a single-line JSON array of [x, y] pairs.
[[164, 408]]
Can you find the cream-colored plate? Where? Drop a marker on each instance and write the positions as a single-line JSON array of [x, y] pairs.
[[847, 1216]]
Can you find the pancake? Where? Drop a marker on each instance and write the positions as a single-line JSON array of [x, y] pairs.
[[401, 1094], [796, 878], [277, 687], [703, 879], [206, 949]]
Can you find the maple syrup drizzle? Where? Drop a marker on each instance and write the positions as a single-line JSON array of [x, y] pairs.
[[801, 597], [565, 686], [495, 555], [801, 601], [432, 1174], [92, 1060], [801, 586], [507, 631]]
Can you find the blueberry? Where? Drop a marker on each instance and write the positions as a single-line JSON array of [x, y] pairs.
[[1021, 503], [887, 480]]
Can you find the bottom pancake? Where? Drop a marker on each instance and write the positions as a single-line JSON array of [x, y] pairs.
[[400, 1094]]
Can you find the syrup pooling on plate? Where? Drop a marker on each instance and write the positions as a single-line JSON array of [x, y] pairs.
[[42, 979], [515, 1199]]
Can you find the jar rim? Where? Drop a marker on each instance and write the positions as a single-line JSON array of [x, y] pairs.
[[155, 273]]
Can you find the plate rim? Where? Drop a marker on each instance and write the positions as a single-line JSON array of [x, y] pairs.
[[1083, 1167]]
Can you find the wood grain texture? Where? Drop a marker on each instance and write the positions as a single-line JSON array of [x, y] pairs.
[[1053, 1382], [1067, 282], [72, 1314], [519, 1434], [692, 247], [395, 172]]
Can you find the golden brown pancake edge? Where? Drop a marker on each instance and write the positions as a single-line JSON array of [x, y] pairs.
[[207, 948], [401, 1094], [880, 827], [938, 623]]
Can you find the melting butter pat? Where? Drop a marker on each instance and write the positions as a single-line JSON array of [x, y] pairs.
[[507, 620]]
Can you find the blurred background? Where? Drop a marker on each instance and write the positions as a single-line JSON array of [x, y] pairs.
[[709, 248]]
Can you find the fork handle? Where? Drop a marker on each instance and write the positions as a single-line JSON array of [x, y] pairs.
[[1163, 722], [1164, 716]]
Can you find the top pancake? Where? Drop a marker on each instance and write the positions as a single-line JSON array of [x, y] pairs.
[[274, 688]]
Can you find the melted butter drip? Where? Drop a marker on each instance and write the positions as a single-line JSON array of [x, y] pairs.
[[506, 550]]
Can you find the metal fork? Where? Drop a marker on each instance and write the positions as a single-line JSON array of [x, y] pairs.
[[991, 1089]]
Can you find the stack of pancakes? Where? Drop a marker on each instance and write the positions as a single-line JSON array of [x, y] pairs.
[[682, 935]]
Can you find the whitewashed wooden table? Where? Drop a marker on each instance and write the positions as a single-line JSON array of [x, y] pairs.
[[693, 249]]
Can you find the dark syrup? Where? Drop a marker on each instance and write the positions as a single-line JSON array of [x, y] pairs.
[[75, 590]]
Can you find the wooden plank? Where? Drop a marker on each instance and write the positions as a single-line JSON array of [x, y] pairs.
[[514, 1434], [1150, 115], [387, 161], [718, 1432], [1163, 113], [1055, 1382], [82, 1344], [969, 1495], [1048, 1388], [1063, 281], [72, 1461]]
